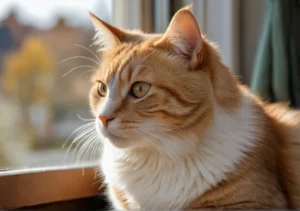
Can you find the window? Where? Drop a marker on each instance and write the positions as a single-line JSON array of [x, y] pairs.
[[44, 85], [44, 78]]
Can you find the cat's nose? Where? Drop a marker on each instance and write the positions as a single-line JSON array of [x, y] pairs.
[[105, 120]]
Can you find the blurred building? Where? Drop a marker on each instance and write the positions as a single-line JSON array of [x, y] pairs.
[[70, 93], [11, 35]]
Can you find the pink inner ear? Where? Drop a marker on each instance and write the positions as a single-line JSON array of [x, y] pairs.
[[189, 29], [184, 33]]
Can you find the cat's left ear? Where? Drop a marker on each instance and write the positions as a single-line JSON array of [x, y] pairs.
[[184, 35], [107, 36]]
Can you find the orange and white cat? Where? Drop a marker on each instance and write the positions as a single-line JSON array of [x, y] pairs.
[[180, 132]]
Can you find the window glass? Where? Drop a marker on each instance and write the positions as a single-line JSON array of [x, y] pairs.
[[44, 78]]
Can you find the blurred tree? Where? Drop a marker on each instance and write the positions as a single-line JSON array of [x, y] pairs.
[[28, 77]]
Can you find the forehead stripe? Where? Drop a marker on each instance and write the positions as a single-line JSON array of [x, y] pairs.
[[125, 61]]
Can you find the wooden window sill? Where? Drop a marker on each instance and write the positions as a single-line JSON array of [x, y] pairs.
[[29, 187]]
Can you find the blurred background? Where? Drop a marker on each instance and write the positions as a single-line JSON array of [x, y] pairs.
[[38, 104], [41, 41]]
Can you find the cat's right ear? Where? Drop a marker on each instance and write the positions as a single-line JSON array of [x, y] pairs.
[[107, 36], [183, 33]]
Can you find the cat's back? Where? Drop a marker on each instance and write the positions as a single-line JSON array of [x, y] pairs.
[[287, 127]]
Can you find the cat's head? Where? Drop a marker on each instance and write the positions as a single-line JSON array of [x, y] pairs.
[[156, 90]]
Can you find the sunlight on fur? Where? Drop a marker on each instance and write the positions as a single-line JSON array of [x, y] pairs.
[[177, 130]]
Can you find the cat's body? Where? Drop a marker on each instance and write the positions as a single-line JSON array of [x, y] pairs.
[[216, 170], [196, 138]]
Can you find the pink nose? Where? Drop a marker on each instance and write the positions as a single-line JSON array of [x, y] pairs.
[[105, 120]]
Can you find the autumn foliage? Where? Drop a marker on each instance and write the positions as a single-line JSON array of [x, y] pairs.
[[27, 72]]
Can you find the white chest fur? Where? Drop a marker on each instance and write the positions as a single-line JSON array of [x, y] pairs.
[[157, 182]]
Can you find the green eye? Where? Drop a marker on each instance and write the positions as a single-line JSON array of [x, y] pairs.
[[102, 89], [140, 89]]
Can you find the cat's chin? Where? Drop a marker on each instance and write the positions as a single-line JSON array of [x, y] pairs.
[[119, 142]]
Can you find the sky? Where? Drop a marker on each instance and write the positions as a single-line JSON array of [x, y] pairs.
[[44, 13]]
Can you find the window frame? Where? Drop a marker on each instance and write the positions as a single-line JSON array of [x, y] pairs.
[[36, 186]]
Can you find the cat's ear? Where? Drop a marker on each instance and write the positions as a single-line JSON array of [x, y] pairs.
[[107, 36], [183, 34]]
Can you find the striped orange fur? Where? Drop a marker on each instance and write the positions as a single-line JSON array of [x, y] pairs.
[[197, 139]]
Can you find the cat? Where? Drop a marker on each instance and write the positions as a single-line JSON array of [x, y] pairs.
[[179, 131]]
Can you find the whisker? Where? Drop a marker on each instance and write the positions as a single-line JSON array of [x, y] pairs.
[[75, 68], [83, 148], [89, 147], [97, 148], [80, 46], [97, 145], [67, 153], [87, 133], [84, 119], [92, 147], [83, 127], [80, 57], [88, 71]]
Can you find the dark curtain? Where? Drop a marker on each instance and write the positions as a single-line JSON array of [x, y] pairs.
[[276, 74]]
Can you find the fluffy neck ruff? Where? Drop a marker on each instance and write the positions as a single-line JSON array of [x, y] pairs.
[[150, 180]]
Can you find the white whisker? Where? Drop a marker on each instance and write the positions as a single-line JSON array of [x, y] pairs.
[[83, 127], [75, 68], [84, 148], [80, 46], [94, 146], [88, 71], [84, 119], [80, 57], [87, 134], [97, 147], [90, 147]]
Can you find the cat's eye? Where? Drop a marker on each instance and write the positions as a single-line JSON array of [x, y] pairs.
[[140, 89], [102, 89]]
